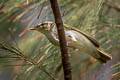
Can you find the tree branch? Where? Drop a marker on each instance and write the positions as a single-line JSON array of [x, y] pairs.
[[62, 39], [23, 57]]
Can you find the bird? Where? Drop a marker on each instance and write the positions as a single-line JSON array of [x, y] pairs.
[[77, 40]]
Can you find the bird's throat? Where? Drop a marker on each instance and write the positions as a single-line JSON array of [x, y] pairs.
[[53, 38]]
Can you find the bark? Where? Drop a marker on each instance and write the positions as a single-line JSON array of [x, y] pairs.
[[62, 39]]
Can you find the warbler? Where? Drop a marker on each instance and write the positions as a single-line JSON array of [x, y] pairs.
[[76, 40]]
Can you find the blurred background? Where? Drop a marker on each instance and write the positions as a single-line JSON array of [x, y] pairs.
[[98, 18]]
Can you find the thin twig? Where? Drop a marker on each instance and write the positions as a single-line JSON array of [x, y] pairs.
[[23, 57], [63, 12], [40, 12], [43, 56], [38, 61], [41, 9]]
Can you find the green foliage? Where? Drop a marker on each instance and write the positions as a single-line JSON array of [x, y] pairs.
[[87, 15]]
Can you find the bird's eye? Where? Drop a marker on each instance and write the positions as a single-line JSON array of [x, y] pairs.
[[70, 36], [42, 24]]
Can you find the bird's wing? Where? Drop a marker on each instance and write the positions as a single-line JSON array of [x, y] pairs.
[[95, 42]]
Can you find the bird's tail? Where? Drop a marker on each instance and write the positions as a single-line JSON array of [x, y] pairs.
[[104, 57]]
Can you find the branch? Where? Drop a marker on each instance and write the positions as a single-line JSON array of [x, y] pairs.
[[23, 57], [62, 39]]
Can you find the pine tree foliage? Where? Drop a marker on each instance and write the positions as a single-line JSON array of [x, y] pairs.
[[95, 17]]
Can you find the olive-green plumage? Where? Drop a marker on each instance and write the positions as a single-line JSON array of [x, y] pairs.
[[76, 40]]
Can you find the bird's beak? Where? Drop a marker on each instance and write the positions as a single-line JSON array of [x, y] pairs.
[[33, 28]]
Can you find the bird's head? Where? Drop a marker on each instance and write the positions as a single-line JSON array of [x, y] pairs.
[[43, 27]]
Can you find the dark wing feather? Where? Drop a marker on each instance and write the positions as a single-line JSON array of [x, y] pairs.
[[95, 42]]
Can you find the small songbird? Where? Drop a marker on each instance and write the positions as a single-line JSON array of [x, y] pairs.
[[76, 40]]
